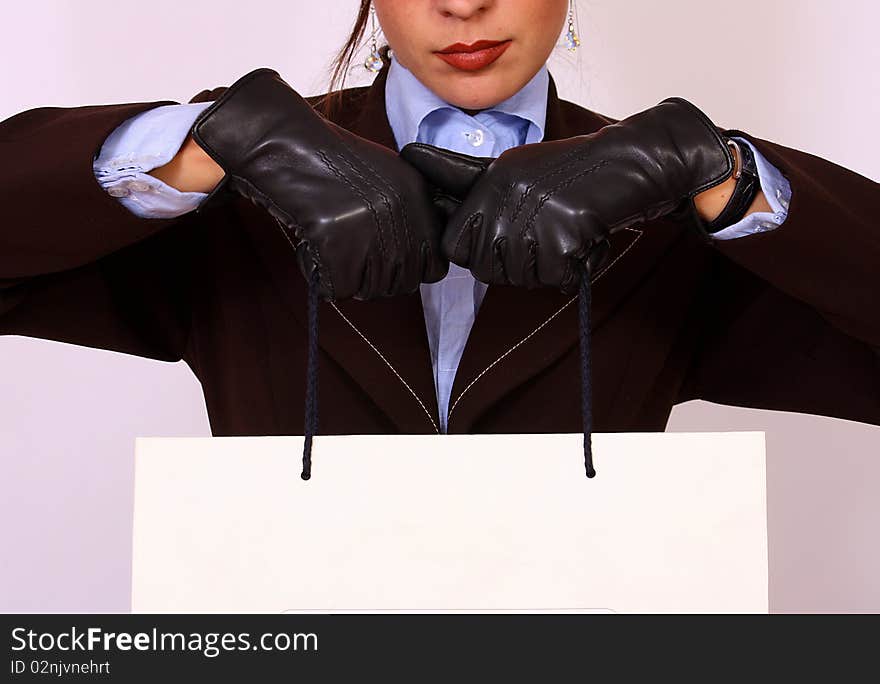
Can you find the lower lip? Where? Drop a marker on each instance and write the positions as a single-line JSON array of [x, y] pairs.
[[474, 61]]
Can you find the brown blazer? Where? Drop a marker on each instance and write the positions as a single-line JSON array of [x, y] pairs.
[[785, 320]]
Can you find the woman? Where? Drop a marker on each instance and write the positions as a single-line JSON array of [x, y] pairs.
[[191, 256]]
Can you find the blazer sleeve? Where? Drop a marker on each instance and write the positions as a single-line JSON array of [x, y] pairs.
[[75, 265], [789, 318]]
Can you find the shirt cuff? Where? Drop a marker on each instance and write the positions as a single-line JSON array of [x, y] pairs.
[[140, 144], [776, 189]]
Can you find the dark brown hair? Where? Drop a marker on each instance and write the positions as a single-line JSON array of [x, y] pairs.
[[342, 61]]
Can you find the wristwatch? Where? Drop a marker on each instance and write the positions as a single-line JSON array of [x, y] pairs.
[[747, 185]]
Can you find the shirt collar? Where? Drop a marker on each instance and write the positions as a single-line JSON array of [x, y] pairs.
[[408, 101]]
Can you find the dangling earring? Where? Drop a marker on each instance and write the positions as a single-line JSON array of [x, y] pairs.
[[374, 59], [572, 40]]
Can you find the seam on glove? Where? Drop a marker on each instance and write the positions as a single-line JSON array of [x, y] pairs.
[[375, 173], [557, 168], [530, 221], [341, 176], [388, 206], [468, 229], [310, 249]]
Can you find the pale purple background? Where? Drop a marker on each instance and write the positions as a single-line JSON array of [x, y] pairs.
[[804, 76]]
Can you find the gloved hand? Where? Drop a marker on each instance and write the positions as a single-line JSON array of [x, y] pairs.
[[450, 175], [539, 213], [353, 210]]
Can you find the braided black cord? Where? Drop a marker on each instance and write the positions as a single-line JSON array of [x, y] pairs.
[[311, 426], [584, 305]]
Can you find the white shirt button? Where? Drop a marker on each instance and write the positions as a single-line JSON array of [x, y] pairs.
[[139, 186], [118, 191], [476, 137]]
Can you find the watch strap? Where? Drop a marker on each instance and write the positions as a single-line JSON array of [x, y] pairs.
[[747, 186]]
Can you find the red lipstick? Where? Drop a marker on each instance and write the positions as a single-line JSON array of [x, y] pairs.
[[474, 56]]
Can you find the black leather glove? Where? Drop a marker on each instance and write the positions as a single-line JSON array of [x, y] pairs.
[[540, 212], [353, 210], [451, 179]]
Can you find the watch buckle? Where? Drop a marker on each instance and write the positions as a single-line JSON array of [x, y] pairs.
[[737, 157]]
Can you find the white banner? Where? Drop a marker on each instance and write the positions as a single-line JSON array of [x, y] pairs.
[[673, 522]]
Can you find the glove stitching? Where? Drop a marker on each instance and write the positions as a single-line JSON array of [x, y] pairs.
[[369, 182], [468, 228], [568, 180], [284, 218], [364, 291], [316, 256], [400, 203], [530, 272], [503, 203], [375, 173], [567, 276], [341, 176], [558, 166], [498, 262], [313, 253]]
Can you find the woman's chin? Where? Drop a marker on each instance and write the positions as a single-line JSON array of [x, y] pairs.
[[474, 93]]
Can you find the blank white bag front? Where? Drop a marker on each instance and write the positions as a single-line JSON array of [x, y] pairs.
[[672, 522]]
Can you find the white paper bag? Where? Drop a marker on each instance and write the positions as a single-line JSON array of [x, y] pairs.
[[672, 522]]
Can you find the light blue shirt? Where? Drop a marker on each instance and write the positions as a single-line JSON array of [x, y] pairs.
[[152, 138]]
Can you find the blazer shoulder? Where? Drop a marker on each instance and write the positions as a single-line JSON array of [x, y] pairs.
[[575, 117], [209, 95], [348, 106]]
